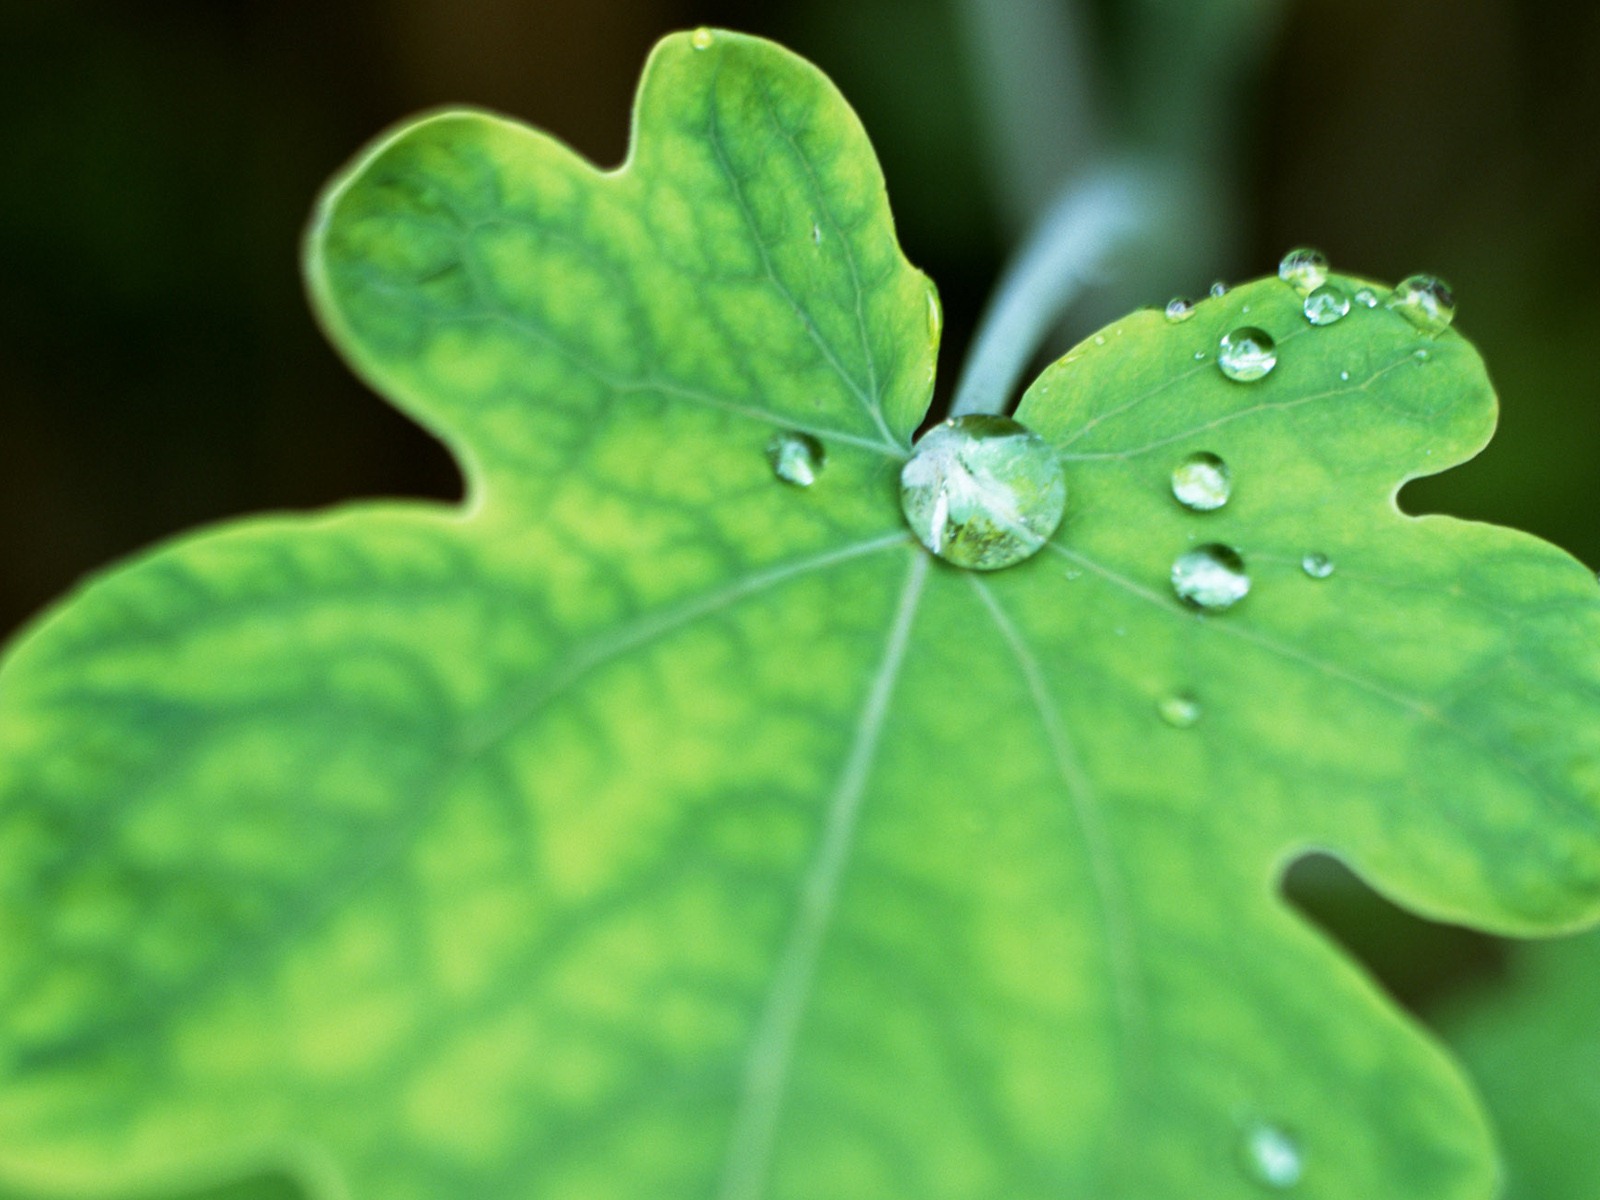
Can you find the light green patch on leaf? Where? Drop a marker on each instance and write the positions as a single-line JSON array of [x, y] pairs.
[[1531, 1042], [647, 826]]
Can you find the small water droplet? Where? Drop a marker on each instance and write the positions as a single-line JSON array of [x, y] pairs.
[[1304, 269], [1181, 711], [1420, 355], [1099, 340], [1344, 376], [1318, 566], [983, 491], [1326, 304], [1211, 577], [795, 457], [1202, 482], [816, 234], [1199, 356], [1247, 354], [1367, 297], [1218, 290], [1272, 1156], [1426, 301], [702, 38], [1180, 308]]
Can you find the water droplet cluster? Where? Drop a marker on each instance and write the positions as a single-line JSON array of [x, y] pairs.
[[983, 491]]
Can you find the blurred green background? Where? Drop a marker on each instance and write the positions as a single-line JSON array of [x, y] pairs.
[[160, 369]]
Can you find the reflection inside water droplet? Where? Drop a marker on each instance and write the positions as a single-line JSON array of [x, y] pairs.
[[795, 457], [983, 491], [1247, 354], [1211, 577], [1326, 304], [1318, 566], [1272, 1156], [1426, 301], [1181, 711], [1304, 269], [1202, 482]]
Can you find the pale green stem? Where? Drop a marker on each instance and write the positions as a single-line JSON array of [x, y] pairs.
[[1092, 222]]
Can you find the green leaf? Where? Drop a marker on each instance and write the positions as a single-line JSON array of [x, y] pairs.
[[1531, 1043], [647, 826]]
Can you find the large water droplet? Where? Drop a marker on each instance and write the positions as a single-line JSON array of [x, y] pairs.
[[1211, 577], [796, 458], [1426, 301], [1304, 269], [1326, 304], [1180, 308], [1272, 1156], [1202, 482], [1367, 297], [702, 38], [1318, 566], [983, 491], [1181, 711], [1247, 354]]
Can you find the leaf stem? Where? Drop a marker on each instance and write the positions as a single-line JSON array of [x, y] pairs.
[[1092, 220]]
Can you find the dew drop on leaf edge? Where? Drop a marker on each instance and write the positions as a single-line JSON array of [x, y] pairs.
[[1210, 577], [1180, 710], [1179, 308], [1202, 482], [795, 457], [702, 38], [1317, 566], [1218, 290], [1272, 1156], [1426, 301], [983, 491], [1247, 354], [1326, 304], [1304, 269], [1366, 297]]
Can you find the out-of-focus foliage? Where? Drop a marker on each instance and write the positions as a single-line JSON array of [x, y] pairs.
[[1531, 1042]]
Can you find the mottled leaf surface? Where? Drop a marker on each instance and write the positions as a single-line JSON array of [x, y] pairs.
[[1531, 1042], [647, 827]]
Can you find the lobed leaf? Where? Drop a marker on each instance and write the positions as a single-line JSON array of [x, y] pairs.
[[647, 826]]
